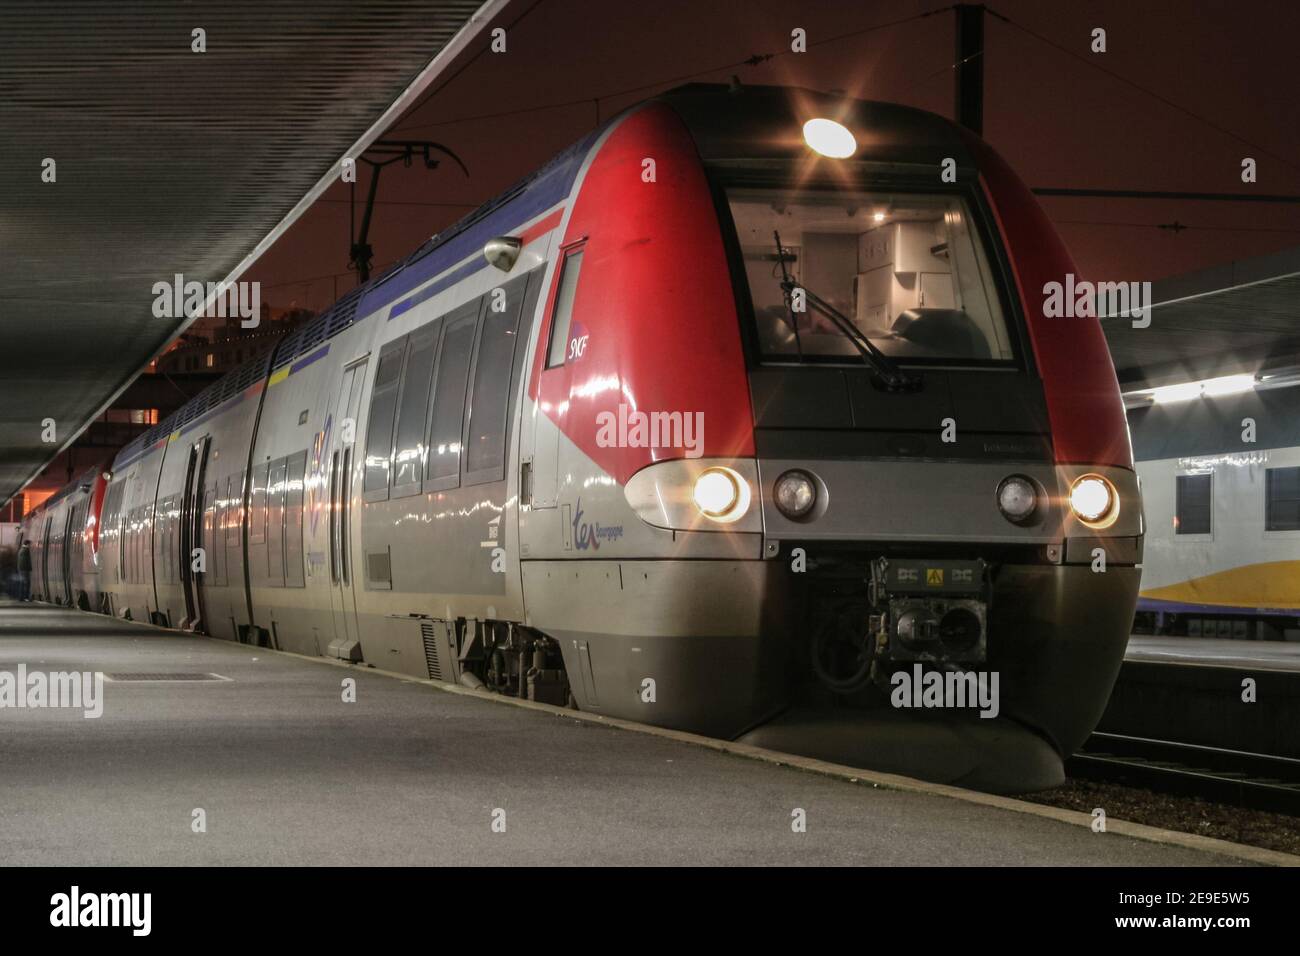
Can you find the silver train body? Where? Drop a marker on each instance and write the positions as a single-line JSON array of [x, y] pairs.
[[63, 534]]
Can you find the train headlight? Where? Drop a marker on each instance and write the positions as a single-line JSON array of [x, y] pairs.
[[1017, 498], [829, 138], [721, 494], [1094, 501], [795, 493]]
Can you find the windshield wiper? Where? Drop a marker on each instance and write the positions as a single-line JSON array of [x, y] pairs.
[[891, 376]]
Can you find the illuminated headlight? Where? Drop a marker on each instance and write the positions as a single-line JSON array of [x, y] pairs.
[[721, 494], [829, 138], [795, 494], [1017, 498], [1094, 501]]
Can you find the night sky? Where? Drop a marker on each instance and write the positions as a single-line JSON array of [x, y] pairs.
[[1057, 119]]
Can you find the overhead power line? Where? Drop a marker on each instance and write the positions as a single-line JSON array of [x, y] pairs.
[[1092, 62], [1165, 194], [752, 60]]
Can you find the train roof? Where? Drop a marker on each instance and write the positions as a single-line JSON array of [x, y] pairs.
[[82, 480]]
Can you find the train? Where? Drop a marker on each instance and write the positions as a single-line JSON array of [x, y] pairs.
[[1220, 468], [63, 534], [741, 416]]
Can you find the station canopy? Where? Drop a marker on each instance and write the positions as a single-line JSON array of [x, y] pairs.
[[167, 160], [1242, 317]]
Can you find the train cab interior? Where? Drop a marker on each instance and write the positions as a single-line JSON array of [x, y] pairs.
[[909, 270]]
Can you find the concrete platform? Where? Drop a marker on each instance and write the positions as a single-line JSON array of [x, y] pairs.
[[1212, 652], [288, 773]]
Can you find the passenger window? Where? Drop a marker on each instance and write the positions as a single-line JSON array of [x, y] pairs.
[[210, 518], [257, 507], [1282, 499], [215, 540], [167, 527], [485, 457], [293, 498], [1193, 504], [379, 430], [275, 525], [563, 314], [235, 524], [412, 413], [449, 396]]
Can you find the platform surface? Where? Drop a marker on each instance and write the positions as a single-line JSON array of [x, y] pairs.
[[288, 773], [1213, 652]]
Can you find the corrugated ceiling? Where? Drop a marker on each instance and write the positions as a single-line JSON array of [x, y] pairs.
[[170, 161], [1243, 316]]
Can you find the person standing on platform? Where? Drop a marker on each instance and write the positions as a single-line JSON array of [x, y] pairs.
[[25, 572]]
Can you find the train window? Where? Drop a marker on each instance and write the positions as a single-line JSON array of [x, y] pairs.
[[173, 538], [910, 271], [275, 524], [127, 546], [1193, 504], [379, 429], [133, 546], [144, 550], [257, 506], [164, 538], [153, 536], [562, 318], [412, 413], [235, 527], [1282, 499], [78, 538], [293, 497], [485, 453], [449, 397], [214, 534]]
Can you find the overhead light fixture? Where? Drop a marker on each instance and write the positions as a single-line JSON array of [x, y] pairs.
[[1205, 388], [1228, 384], [1176, 393], [829, 138]]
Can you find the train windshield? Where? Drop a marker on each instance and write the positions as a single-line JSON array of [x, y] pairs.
[[909, 270]]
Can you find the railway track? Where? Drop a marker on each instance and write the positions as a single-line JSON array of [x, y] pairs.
[[1258, 781]]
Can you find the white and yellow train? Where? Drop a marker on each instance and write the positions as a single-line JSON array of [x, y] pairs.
[[1220, 472]]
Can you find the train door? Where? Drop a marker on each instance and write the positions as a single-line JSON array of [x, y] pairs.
[[564, 343], [192, 536], [65, 554], [343, 600]]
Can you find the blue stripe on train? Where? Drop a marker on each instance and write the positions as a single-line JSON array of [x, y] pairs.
[[549, 189], [1179, 607]]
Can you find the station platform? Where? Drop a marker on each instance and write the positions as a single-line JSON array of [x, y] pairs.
[[1212, 652], [286, 772]]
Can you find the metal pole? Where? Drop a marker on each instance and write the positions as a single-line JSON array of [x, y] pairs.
[[968, 76]]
